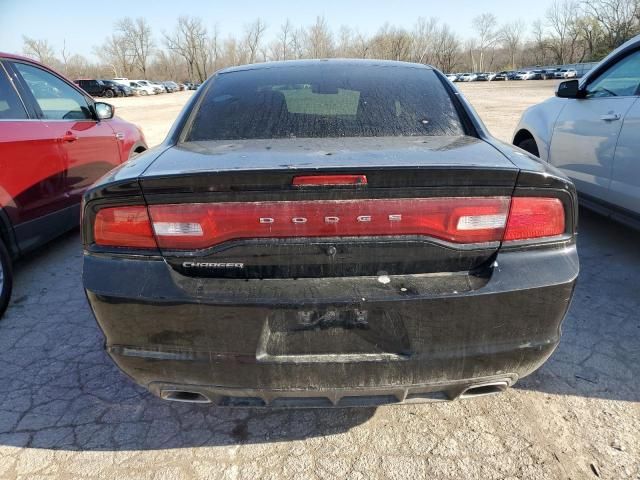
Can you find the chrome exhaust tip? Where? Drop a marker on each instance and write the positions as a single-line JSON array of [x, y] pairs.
[[483, 389], [184, 396]]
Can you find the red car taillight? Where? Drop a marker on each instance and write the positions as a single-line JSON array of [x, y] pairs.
[[534, 217], [123, 227], [461, 220]]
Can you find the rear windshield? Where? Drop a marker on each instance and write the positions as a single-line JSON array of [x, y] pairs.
[[325, 101]]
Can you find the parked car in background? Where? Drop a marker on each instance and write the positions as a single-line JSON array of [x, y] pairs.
[[501, 76], [161, 87], [97, 88], [55, 141], [549, 74], [571, 73], [589, 130], [142, 89], [529, 75], [482, 77], [468, 77], [171, 86], [453, 77], [272, 273], [122, 90], [155, 88]]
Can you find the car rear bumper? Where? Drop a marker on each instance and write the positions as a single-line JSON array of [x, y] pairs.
[[260, 342]]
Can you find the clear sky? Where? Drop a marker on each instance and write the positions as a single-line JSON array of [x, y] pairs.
[[85, 24]]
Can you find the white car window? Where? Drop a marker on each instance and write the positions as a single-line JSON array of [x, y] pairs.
[[621, 80]]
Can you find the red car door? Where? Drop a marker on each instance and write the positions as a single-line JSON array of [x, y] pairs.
[[32, 165], [89, 147]]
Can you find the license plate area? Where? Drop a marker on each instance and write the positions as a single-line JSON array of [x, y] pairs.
[[334, 335]]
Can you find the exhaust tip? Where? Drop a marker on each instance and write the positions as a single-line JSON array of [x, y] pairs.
[[484, 389], [184, 396]]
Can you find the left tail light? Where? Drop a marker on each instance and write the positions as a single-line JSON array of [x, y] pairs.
[[126, 226]]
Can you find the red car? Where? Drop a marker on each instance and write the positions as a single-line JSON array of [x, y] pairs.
[[55, 141]]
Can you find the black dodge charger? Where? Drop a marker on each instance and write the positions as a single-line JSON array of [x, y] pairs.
[[330, 233]]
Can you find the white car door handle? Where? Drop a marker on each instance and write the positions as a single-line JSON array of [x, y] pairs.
[[610, 117]]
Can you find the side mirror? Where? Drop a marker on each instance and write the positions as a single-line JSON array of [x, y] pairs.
[[569, 89], [104, 111]]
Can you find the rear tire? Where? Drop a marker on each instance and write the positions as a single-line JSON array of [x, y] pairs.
[[108, 93], [6, 278], [529, 145]]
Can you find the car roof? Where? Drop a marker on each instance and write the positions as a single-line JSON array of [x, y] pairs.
[[13, 56], [346, 62]]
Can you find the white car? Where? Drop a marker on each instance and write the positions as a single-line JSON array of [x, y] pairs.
[[469, 77], [570, 73], [146, 83], [141, 89], [590, 131], [527, 75]]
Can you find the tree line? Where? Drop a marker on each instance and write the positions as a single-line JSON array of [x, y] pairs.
[[571, 31]]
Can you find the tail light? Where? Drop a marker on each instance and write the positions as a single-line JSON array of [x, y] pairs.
[[123, 227], [534, 217], [461, 220], [458, 220]]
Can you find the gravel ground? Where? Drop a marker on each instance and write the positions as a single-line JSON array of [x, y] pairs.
[[66, 411]]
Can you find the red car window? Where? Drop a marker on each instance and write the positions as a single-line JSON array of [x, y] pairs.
[[11, 107], [56, 99]]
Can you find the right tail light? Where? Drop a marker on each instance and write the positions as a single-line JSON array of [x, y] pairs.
[[534, 217]]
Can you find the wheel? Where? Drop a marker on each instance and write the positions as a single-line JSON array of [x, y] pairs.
[[6, 278], [144, 93], [108, 93], [529, 145]]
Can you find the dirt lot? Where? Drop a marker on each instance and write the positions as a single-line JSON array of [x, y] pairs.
[[67, 412]]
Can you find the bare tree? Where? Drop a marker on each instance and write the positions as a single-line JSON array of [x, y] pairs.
[[190, 41], [318, 39], [281, 48], [562, 18], [252, 38], [115, 53], [485, 27], [540, 44], [511, 37], [41, 50], [137, 36], [447, 49], [618, 19], [424, 38]]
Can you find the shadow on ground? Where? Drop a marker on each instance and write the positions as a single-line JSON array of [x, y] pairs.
[[58, 390]]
